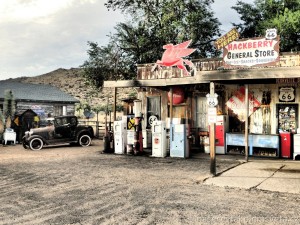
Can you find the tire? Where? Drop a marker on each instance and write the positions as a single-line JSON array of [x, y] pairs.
[[36, 144], [85, 140], [24, 145]]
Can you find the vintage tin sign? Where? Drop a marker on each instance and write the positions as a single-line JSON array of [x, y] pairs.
[[229, 37]]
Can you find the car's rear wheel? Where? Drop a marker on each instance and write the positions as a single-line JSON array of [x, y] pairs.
[[36, 144], [85, 140]]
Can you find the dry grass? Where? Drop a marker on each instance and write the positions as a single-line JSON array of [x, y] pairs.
[[71, 82]]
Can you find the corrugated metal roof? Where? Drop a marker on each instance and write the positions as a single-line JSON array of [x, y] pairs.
[[35, 92]]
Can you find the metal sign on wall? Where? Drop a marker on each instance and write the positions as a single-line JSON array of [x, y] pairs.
[[238, 106], [231, 36], [286, 94], [255, 52]]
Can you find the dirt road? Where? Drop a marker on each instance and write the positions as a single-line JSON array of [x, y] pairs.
[[75, 185]]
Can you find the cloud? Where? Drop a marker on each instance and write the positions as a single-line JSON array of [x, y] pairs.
[[39, 36], [53, 39], [226, 14]]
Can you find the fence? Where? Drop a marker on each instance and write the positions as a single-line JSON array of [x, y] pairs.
[[99, 127]]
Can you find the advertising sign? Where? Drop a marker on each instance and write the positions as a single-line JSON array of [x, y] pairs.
[[178, 95], [237, 104], [173, 56], [231, 36], [212, 115], [256, 52]]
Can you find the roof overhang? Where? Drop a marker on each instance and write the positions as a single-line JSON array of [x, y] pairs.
[[255, 74]]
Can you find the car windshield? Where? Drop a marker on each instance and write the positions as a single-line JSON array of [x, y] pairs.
[[47, 122]]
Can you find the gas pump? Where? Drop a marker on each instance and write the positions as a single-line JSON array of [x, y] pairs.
[[138, 137], [130, 134], [120, 136], [159, 139], [179, 146]]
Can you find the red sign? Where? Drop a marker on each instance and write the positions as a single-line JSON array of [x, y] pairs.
[[229, 37], [251, 52], [237, 104], [178, 95], [173, 56]]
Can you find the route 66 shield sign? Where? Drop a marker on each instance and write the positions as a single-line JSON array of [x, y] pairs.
[[286, 94]]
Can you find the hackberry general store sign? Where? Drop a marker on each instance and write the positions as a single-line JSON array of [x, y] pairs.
[[256, 52]]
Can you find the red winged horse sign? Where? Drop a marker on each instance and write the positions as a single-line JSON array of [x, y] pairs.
[[173, 56]]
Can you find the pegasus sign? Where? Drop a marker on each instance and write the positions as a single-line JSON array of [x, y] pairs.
[[173, 56]]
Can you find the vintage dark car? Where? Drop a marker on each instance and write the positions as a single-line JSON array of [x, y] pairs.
[[59, 130]]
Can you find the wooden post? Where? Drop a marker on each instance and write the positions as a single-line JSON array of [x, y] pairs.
[[106, 136], [246, 121], [212, 131], [171, 105], [171, 132], [115, 103]]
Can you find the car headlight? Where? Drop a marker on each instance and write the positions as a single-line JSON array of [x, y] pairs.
[[28, 134]]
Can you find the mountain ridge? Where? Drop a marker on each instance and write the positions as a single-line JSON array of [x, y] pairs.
[[72, 82]]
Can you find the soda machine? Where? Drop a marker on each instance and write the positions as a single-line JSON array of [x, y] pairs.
[[222, 127], [287, 125], [285, 145], [179, 146]]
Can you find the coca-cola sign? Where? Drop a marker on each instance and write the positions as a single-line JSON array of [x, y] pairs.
[[178, 95]]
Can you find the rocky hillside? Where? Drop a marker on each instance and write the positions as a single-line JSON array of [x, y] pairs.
[[71, 81]]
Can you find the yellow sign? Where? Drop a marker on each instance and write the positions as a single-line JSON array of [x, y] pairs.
[[130, 124], [229, 37]]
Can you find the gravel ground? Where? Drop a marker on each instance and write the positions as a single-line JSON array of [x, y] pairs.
[[75, 185]]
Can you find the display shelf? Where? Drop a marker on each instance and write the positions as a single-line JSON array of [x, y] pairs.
[[235, 150], [262, 145], [265, 145], [265, 152]]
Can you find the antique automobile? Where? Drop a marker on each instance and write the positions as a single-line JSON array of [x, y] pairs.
[[59, 130]]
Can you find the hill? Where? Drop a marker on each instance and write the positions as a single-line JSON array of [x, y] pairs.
[[71, 81]]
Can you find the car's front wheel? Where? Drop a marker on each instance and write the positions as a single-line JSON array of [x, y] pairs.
[[85, 140], [36, 144], [24, 143]]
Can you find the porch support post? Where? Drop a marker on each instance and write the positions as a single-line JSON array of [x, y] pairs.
[[246, 122], [115, 104], [212, 144], [171, 105]]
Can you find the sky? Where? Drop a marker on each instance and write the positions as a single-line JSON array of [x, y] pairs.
[[39, 36]]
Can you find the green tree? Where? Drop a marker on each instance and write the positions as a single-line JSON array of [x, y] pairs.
[[9, 107], [106, 62], [284, 15], [155, 23], [151, 24]]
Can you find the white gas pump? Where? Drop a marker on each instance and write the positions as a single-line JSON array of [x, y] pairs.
[[120, 136], [159, 142], [179, 146]]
